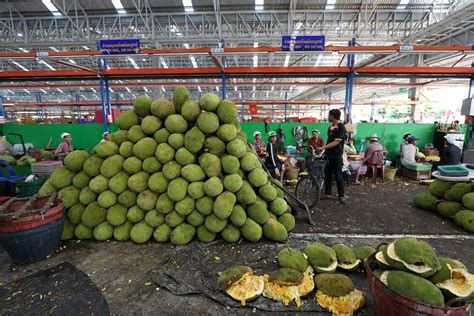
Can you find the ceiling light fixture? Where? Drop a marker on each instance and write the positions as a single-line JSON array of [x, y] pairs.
[[330, 4], [188, 6], [259, 5], [402, 5], [119, 7], [51, 7]]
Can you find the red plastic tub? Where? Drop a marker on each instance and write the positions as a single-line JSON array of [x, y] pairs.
[[389, 303]]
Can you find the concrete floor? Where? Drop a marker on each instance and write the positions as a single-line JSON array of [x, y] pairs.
[[374, 214]]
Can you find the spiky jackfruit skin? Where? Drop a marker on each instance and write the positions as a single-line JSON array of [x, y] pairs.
[[180, 96], [230, 275], [126, 149], [322, 258], [68, 230], [465, 219], [236, 147], [158, 182], [117, 215], [161, 135], [346, 257], [457, 191], [238, 216], [173, 219], [215, 224], [246, 195], [75, 160], [118, 183], [205, 235], [135, 214], [414, 287], [293, 259], [177, 189], [132, 165], [119, 137], [83, 232], [142, 105], [182, 234], [209, 102], [193, 173], [185, 206], [459, 285], [230, 164], [126, 120], [145, 148], [176, 140], [211, 164], [103, 231], [61, 177], [258, 212], [334, 284], [99, 184], [162, 233], [449, 209], [251, 230], [214, 145], [195, 218], [164, 153], [141, 232], [190, 110], [443, 274], [81, 180], [231, 233], [150, 124], [275, 231], [288, 221], [122, 232], [224, 205], [194, 140], [146, 200], [87, 196], [227, 111], [151, 165], [363, 251], [164, 204], [175, 123], [74, 213], [107, 198], [106, 149], [162, 108], [226, 132], [439, 187], [47, 188], [184, 157], [93, 215], [426, 201], [171, 170], [127, 198], [468, 200], [213, 187], [196, 190], [278, 206], [267, 192], [111, 166], [205, 205], [138, 182], [69, 195], [257, 177], [286, 276]]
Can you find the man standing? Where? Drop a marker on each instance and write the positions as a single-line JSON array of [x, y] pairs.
[[334, 150]]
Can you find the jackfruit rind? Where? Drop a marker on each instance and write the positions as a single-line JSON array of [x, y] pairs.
[[184, 157], [208, 122], [224, 204], [161, 135], [293, 259], [138, 182], [119, 137], [460, 284], [209, 102], [195, 190], [145, 148], [81, 180], [227, 111], [127, 198], [214, 223], [457, 191], [118, 183], [226, 132], [468, 200], [278, 206], [258, 212], [146, 200], [180, 96], [126, 120], [257, 177], [251, 230], [205, 235], [135, 133], [233, 182], [465, 220], [158, 182], [230, 164], [135, 214], [231, 275], [173, 219], [439, 187], [83, 232], [323, 259], [238, 216], [363, 251], [150, 124], [213, 187], [447, 264], [176, 140], [106, 149], [61, 177], [154, 219], [162, 233], [117, 215], [141, 232], [177, 189], [75, 212], [190, 110], [230, 233], [175, 123], [164, 153], [185, 206], [126, 149], [334, 284], [274, 230], [87, 196], [68, 230], [93, 215], [162, 108], [107, 199], [193, 173], [99, 184], [205, 205], [236, 147], [249, 161], [246, 195], [122, 232], [247, 288], [182, 234], [141, 105], [112, 165], [47, 188], [413, 287], [195, 218], [211, 164], [103, 232], [214, 145], [69, 195], [75, 160], [164, 204], [151, 165], [286, 276], [449, 209], [426, 201], [346, 257], [288, 221], [194, 140], [171, 170], [132, 165]]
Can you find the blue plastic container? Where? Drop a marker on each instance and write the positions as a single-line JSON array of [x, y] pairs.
[[33, 245]]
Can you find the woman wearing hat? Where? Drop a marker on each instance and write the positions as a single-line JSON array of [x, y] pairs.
[[315, 142], [258, 144], [105, 136], [65, 147], [451, 153], [372, 147], [272, 162]]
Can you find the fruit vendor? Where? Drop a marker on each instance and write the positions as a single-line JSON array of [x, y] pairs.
[[105, 136], [452, 153], [272, 161], [65, 147], [352, 167], [410, 151], [315, 142], [258, 144], [372, 148], [405, 141]]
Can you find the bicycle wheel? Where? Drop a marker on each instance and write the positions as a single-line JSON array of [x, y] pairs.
[[309, 191]]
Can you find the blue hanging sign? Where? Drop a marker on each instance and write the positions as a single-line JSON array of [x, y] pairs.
[[119, 46], [302, 43]]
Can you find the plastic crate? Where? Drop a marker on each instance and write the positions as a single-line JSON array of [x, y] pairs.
[[453, 171], [416, 175], [45, 167], [419, 166], [29, 188]]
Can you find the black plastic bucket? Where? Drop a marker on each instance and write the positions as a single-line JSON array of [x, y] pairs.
[[33, 245]]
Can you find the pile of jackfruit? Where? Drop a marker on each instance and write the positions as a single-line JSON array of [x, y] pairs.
[[412, 268], [455, 201], [299, 274], [176, 169]]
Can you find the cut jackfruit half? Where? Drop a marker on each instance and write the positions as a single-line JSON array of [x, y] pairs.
[[308, 282], [247, 288], [330, 269], [348, 265], [381, 262], [461, 284], [418, 268], [341, 305]]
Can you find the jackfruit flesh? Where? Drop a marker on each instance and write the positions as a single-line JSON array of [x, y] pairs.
[[247, 288], [341, 305], [461, 284]]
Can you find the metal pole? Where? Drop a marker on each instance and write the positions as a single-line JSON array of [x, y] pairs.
[[102, 95], [107, 92], [79, 114], [286, 104], [224, 83], [349, 85]]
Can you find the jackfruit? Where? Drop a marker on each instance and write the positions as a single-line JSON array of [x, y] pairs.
[[449, 209], [99, 184], [468, 200], [345, 304], [68, 230], [246, 195], [196, 190], [106, 149], [267, 192], [278, 206], [162, 108], [135, 133], [141, 232], [107, 199], [145, 148], [230, 164], [465, 219], [119, 137], [224, 204], [426, 201], [209, 102], [184, 157], [363, 251], [122, 232], [176, 140], [226, 132], [258, 212], [112, 165], [195, 219], [164, 153], [236, 147], [69, 195], [47, 188], [151, 124], [214, 223], [214, 146], [182, 234], [180, 96], [208, 122], [412, 286], [83, 232], [457, 191], [81, 180], [185, 206], [126, 149], [322, 258], [227, 111], [161, 135], [293, 259], [205, 235], [258, 177], [127, 198], [142, 105], [175, 123], [334, 284], [231, 275], [193, 173], [190, 110], [138, 182], [93, 215], [443, 274], [164, 204], [118, 183], [177, 189], [75, 160], [61, 177], [346, 257], [211, 164], [205, 205], [117, 215], [460, 284], [146, 200], [126, 120], [151, 165], [135, 214], [162, 233], [87, 196], [275, 231], [171, 170], [75, 212], [173, 219], [249, 161], [288, 221], [154, 219], [439, 187], [251, 230], [103, 232], [238, 216], [230, 233], [233, 182], [213, 187], [194, 140], [158, 182]]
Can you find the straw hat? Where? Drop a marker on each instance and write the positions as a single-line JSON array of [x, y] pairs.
[[374, 137]]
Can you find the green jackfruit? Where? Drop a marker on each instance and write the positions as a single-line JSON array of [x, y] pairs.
[[208, 122], [443, 274], [106, 149], [214, 223], [127, 198], [145, 148], [164, 153], [81, 180], [194, 140], [193, 173], [449, 209], [175, 123], [286, 277], [346, 257], [230, 233], [75, 212], [278, 206], [112, 165], [162, 233], [258, 212], [103, 232], [151, 165], [180, 96], [213, 187], [119, 137], [465, 220], [164, 204], [233, 182], [117, 215], [142, 105], [246, 195], [154, 219], [158, 182], [118, 183], [126, 149], [162, 108], [138, 182], [196, 190], [135, 214], [177, 189], [135, 133], [87, 196], [214, 145], [275, 231], [182, 234], [251, 230], [99, 184], [230, 164], [238, 216], [468, 200], [61, 177], [224, 204], [185, 206], [75, 160], [363, 251], [184, 157], [146, 200], [205, 235], [93, 215], [226, 132], [107, 198], [122, 232], [457, 191], [173, 219], [195, 218], [249, 161], [141, 232], [68, 230], [150, 124], [209, 102], [257, 177], [126, 120], [426, 201], [439, 187], [176, 140], [211, 164], [227, 111], [171, 170], [69, 195], [236, 147], [334, 284], [293, 259], [47, 188], [161, 135], [322, 258], [83, 232], [190, 110], [267, 192], [205, 205]]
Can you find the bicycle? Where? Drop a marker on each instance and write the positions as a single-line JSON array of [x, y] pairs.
[[309, 188]]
